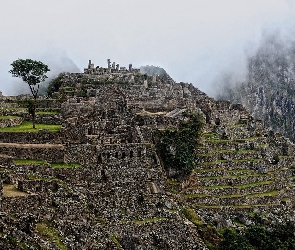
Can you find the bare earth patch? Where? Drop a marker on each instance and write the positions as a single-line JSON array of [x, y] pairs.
[[11, 191]]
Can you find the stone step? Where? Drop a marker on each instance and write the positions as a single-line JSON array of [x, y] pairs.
[[234, 180], [235, 164], [236, 200], [257, 187]]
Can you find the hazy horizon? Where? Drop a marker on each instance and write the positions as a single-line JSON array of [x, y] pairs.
[[193, 40]]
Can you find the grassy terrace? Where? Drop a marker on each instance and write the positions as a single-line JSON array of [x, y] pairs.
[[36, 177], [149, 220], [228, 196], [47, 113], [219, 140], [230, 176], [42, 162], [254, 184], [28, 127], [65, 165], [6, 117], [235, 206], [271, 193], [47, 231], [29, 162]]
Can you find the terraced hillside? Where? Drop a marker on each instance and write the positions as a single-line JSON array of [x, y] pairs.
[[96, 179]]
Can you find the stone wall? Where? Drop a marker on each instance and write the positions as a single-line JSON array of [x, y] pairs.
[[10, 122], [40, 137], [47, 152]]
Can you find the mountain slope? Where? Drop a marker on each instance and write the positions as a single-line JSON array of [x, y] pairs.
[[269, 91]]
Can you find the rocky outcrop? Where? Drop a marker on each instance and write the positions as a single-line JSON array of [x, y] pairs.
[[268, 92]]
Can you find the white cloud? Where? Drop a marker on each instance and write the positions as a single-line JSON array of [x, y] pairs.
[[192, 39]]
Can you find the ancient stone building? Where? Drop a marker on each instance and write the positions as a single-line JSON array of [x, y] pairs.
[[101, 183]]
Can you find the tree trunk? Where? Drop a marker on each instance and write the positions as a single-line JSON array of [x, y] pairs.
[[34, 111]]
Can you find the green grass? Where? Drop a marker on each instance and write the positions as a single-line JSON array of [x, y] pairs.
[[190, 196], [209, 134], [36, 177], [229, 196], [229, 176], [28, 127], [219, 186], [29, 162], [65, 165], [255, 184], [47, 113], [47, 231], [192, 216], [207, 206], [149, 220], [207, 170], [212, 162], [172, 182], [239, 170], [115, 238], [249, 160], [9, 117], [219, 141], [223, 151], [265, 194], [237, 125], [42, 162]]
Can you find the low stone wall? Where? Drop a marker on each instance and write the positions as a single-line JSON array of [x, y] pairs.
[[29, 151], [11, 122], [41, 137], [6, 160], [38, 186], [88, 155], [46, 118]]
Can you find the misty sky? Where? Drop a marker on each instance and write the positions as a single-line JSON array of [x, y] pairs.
[[193, 40]]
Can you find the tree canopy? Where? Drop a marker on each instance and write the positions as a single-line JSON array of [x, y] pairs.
[[32, 72]]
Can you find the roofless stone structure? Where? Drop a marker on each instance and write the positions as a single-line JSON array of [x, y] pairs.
[[99, 183]]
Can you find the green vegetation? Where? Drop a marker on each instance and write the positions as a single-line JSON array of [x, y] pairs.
[[47, 113], [255, 184], [271, 193], [42, 162], [172, 182], [191, 215], [29, 162], [33, 73], [55, 84], [176, 148], [27, 127], [47, 231], [257, 237], [8, 117], [149, 220], [65, 165], [219, 140], [115, 238], [190, 196]]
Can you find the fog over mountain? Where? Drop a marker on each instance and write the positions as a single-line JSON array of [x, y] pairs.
[[267, 88], [192, 40]]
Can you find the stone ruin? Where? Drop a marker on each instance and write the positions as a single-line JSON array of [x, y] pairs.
[[111, 69], [120, 196]]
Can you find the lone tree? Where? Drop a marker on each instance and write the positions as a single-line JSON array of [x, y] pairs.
[[32, 72]]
